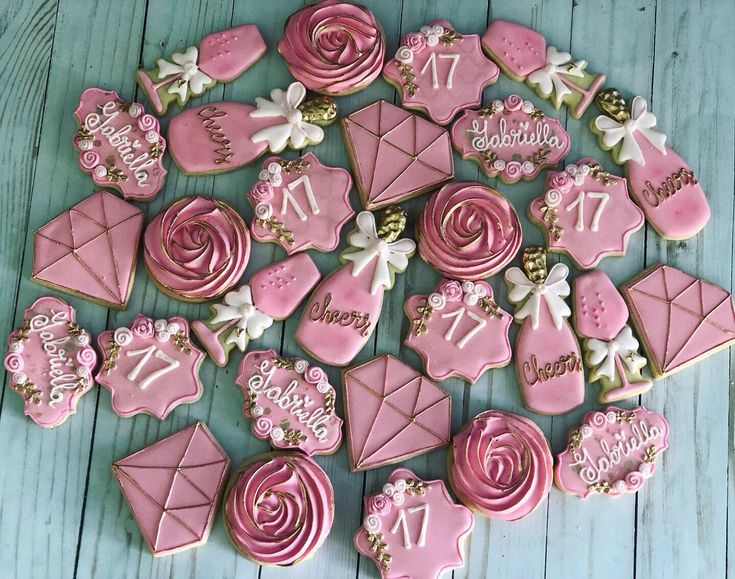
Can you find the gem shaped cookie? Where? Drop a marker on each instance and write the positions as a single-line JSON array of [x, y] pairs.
[[612, 452], [150, 367], [273, 293], [90, 250], [50, 361], [290, 403], [510, 139], [300, 204], [500, 465], [279, 508], [413, 529], [393, 413], [119, 145], [220, 57], [586, 212], [173, 488], [439, 71], [680, 318], [395, 155], [459, 330]]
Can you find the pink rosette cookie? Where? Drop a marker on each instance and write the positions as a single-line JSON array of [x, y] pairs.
[[279, 508], [468, 231], [500, 465], [333, 47], [196, 249]]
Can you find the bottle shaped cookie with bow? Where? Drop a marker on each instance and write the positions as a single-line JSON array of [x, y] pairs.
[[661, 182], [342, 312], [547, 356]]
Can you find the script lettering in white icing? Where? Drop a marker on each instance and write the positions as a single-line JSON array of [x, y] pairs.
[[540, 134], [402, 523], [146, 353], [458, 314], [289, 199], [57, 359], [579, 204], [434, 75]]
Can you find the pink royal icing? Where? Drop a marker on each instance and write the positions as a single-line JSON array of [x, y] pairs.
[[612, 452], [50, 361], [600, 311], [279, 508], [413, 529], [440, 71], [522, 49], [500, 465]]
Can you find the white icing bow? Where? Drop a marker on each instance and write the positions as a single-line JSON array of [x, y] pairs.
[[624, 345], [285, 104], [548, 79], [190, 77], [640, 121], [553, 291], [371, 246], [251, 322]]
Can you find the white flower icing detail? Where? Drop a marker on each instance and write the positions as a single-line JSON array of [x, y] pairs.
[[256, 411], [163, 336], [404, 54], [553, 291], [123, 336], [152, 137], [277, 434], [264, 210], [372, 523], [553, 197], [160, 325], [251, 322], [100, 171], [301, 366], [190, 78], [16, 347], [437, 301], [323, 387], [19, 378]]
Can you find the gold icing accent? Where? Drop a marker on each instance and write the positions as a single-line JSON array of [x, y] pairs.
[[551, 218], [182, 342], [409, 77], [21, 334], [111, 355], [600, 487], [540, 157], [380, 549], [124, 106], [624, 416], [329, 400], [321, 111], [283, 363], [279, 228], [599, 174], [537, 114], [156, 150], [392, 224], [29, 392], [613, 104], [534, 262], [489, 306], [425, 311], [416, 487], [291, 436], [575, 439], [74, 329], [450, 36], [489, 157], [115, 175], [296, 166], [488, 111], [650, 455]]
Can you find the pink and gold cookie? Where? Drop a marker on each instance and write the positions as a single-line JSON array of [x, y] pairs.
[[612, 452], [413, 529], [196, 249], [500, 465], [279, 508], [50, 361], [439, 71], [468, 231], [459, 330], [333, 47], [150, 367], [173, 488], [586, 212], [290, 403], [300, 204]]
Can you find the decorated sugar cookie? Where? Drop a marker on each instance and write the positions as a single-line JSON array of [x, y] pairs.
[[150, 367], [459, 330], [290, 403], [586, 212], [523, 55], [663, 185], [300, 204], [224, 136], [440, 71], [393, 413], [612, 452], [220, 57], [510, 139], [413, 529], [395, 155], [273, 293], [548, 360], [341, 314], [50, 361]]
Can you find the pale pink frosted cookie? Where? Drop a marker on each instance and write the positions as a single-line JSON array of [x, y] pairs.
[[333, 47], [661, 182], [150, 366], [90, 251], [290, 403], [173, 488], [510, 139], [413, 529], [119, 145], [586, 212], [680, 318], [279, 508], [300, 204], [196, 249], [395, 155], [459, 330], [393, 413], [220, 57], [273, 293], [500, 465], [612, 452], [547, 357], [50, 361], [439, 71]]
